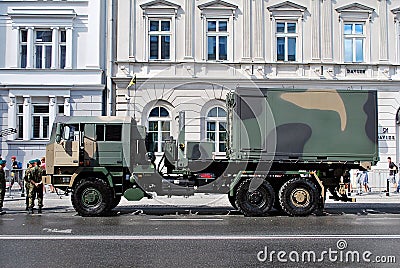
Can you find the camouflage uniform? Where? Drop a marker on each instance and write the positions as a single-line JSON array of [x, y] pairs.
[[35, 174], [27, 182], [2, 187]]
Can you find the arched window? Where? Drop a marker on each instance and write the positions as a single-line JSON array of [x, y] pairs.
[[159, 128], [216, 128]]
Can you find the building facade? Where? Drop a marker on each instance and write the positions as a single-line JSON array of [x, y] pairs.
[[186, 54], [52, 63], [77, 57]]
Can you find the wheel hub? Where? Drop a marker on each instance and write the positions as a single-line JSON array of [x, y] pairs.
[[300, 197], [255, 198], [91, 197]]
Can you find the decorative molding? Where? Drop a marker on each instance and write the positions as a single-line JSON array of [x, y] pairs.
[[217, 4], [258, 34], [396, 13], [327, 28], [189, 29], [316, 30], [217, 8], [383, 25], [160, 7], [247, 30], [287, 10], [40, 13], [355, 11], [22, 17]]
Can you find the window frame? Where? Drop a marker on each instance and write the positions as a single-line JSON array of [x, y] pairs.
[[42, 135], [217, 120], [20, 121], [52, 53], [62, 48], [286, 35], [44, 45], [354, 36], [218, 35], [23, 63], [159, 33], [215, 10], [160, 120]]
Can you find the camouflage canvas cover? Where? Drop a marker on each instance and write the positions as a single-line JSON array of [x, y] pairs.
[[308, 125]]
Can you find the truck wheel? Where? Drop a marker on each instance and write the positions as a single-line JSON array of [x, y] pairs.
[[91, 197], [298, 197], [232, 200], [257, 202], [115, 201]]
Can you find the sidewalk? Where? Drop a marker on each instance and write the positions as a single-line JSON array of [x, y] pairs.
[[55, 202]]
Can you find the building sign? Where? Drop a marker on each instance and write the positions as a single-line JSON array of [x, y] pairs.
[[385, 135], [355, 71]]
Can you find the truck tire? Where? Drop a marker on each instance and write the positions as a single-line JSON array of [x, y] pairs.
[[92, 197], [115, 201], [299, 197], [256, 203]]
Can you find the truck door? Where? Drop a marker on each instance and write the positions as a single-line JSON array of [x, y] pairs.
[[89, 145], [109, 149], [66, 153]]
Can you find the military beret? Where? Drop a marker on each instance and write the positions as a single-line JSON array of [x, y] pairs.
[[38, 161], [33, 161], [2, 162]]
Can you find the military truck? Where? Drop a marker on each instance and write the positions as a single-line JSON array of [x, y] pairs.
[[285, 149]]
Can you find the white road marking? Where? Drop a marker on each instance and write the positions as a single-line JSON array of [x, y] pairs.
[[66, 231], [192, 237], [186, 219]]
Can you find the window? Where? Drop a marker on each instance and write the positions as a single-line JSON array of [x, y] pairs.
[[286, 39], [43, 48], [160, 39], [62, 48], [40, 122], [43, 44], [354, 40], [217, 40], [60, 110], [23, 47], [216, 128], [159, 128], [20, 121], [112, 132]]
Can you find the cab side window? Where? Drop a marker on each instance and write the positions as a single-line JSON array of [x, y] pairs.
[[108, 132]]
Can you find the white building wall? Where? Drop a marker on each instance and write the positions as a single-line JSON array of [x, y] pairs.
[[76, 89], [191, 83]]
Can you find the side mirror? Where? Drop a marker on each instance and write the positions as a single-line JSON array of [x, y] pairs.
[[58, 133]]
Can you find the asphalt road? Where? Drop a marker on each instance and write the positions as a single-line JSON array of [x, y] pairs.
[[206, 234]]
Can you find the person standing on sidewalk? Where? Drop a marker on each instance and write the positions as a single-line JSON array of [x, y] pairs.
[[27, 171], [392, 173], [16, 170], [35, 187], [2, 184]]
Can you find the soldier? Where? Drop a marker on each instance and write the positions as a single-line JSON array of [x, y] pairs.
[[2, 184], [35, 187], [27, 171]]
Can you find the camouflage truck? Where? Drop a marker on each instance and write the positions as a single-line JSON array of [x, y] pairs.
[[285, 149]]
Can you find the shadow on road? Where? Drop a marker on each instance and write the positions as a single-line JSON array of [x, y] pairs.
[[330, 210]]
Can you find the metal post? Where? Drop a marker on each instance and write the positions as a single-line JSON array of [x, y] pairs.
[[10, 180], [23, 185], [387, 187]]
